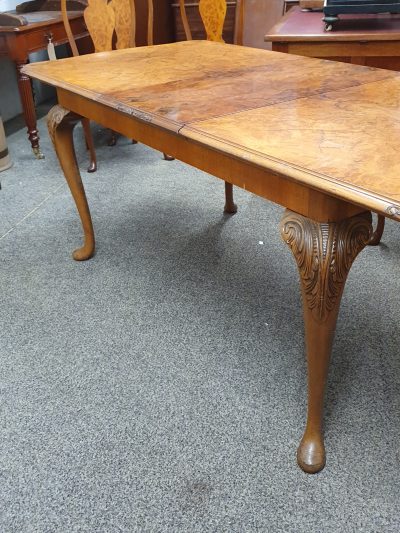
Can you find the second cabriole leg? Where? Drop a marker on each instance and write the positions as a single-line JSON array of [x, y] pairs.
[[324, 253], [61, 123]]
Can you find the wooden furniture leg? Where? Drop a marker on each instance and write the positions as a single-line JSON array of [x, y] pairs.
[[324, 253], [230, 206], [61, 123], [377, 235], [28, 108], [90, 145]]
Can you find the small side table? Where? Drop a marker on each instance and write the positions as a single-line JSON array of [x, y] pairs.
[[371, 40], [18, 42]]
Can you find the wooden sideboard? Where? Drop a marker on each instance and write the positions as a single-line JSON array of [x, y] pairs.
[[18, 42]]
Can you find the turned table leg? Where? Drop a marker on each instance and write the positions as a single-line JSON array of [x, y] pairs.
[[324, 253], [61, 123], [28, 108]]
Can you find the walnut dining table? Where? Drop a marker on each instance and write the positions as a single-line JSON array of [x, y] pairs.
[[319, 138]]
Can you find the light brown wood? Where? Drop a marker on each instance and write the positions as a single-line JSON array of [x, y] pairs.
[[123, 23], [213, 14], [103, 19], [216, 93], [324, 253], [89, 145], [370, 40], [85, 123], [209, 105], [61, 123], [100, 21]]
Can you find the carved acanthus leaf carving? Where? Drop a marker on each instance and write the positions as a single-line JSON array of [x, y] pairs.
[[54, 117], [324, 253]]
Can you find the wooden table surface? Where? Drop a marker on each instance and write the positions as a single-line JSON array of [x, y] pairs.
[[318, 137]]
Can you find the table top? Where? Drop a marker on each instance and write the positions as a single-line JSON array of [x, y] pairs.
[[298, 25], [39, 19], [332, 126]]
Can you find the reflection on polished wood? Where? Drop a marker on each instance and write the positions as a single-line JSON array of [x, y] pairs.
[[316, 137], [60, 123]]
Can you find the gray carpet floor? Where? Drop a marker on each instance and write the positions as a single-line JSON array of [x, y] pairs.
[[161, 386]]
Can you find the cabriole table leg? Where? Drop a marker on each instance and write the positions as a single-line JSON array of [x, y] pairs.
[[28, 108], [324, 253], [61, 123]]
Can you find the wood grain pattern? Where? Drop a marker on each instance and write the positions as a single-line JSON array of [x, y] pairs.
[[329, 125], [123, 22], [213, 15], [100, 21], [60, 124]]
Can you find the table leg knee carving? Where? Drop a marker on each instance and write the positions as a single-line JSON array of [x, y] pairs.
[[60, 123], [324, 253]]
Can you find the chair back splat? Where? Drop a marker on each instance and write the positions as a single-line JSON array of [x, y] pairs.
[[213, 13], [109, 23]]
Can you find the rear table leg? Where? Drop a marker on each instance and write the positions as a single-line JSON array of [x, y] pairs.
[[230, 206], [324, 253], [377, 235]]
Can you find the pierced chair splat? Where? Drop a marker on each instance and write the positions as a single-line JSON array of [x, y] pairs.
[[104, 20]]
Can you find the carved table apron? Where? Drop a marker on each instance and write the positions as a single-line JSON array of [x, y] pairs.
[[297, 131]]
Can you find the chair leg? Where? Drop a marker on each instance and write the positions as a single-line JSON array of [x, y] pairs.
[[112, 141], [168, 157], [230, 206], [90, 145], [377, 235]]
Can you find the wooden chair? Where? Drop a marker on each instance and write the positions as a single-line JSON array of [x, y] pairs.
[[85, 122], [213, 13], [104, 20]]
